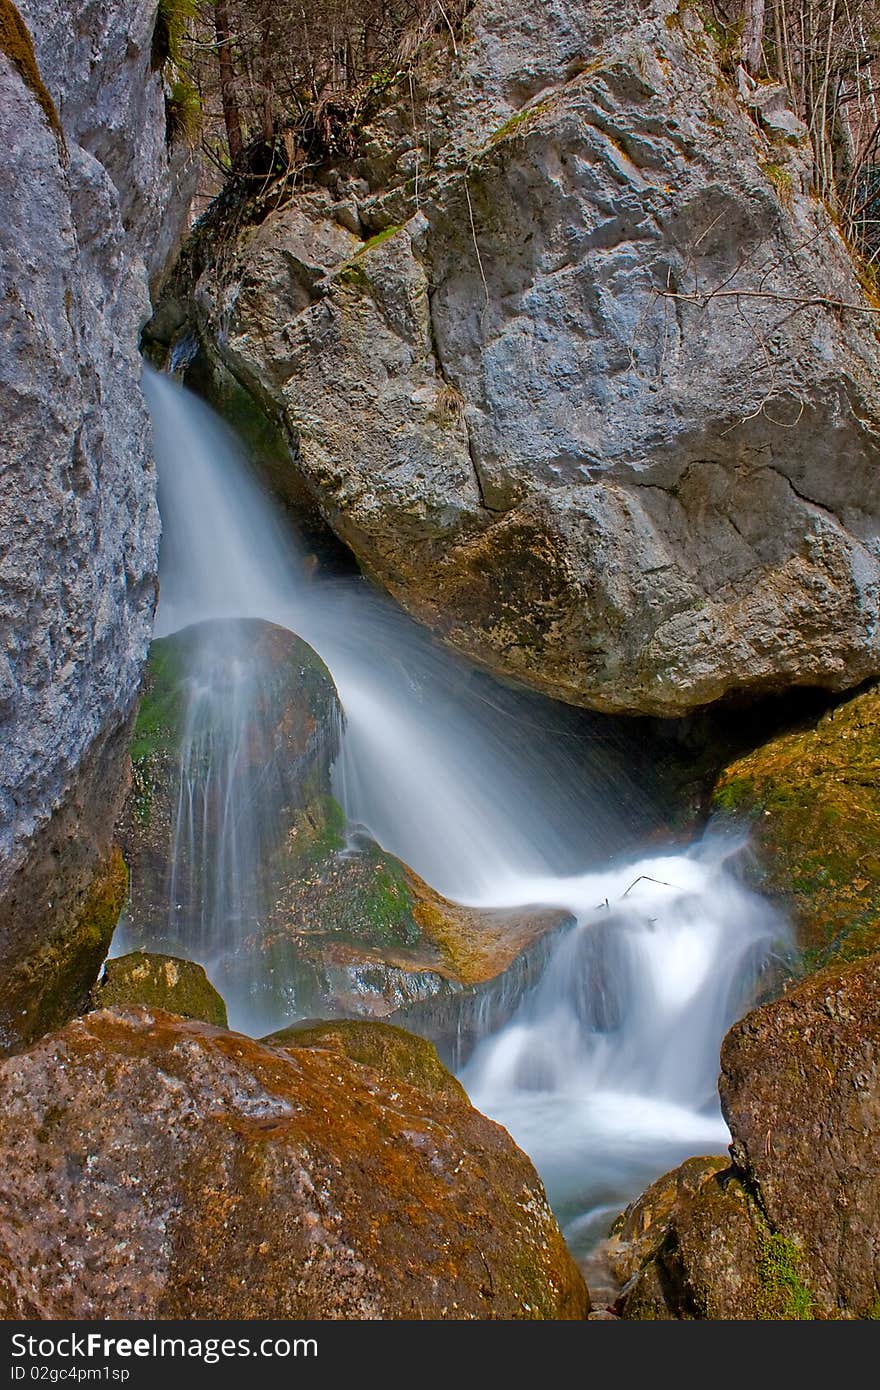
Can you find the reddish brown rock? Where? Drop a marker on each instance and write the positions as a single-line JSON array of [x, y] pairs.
[[156, 1168], [800, 1088], [790, 1230]]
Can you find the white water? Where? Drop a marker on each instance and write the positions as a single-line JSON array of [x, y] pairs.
[[606, 1076]]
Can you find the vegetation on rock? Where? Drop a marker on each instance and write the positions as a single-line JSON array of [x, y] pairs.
[[159, 982], [341, 1190], [17, 44], [811, 801], [387, 1049]]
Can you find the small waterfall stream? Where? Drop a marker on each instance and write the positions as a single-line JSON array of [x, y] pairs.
[[606, 1075]]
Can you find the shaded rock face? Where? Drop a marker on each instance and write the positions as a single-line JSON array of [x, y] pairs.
[[789, 1230], [78, 522], [159, 982], [811, 801], [522, 407], [154, 1156]]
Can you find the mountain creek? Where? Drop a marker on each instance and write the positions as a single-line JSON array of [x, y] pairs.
[[440, 555]]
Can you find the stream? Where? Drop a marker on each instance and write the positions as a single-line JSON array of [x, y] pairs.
[[606, 1074]]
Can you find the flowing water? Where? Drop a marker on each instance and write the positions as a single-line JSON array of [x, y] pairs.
[[606, 1075]]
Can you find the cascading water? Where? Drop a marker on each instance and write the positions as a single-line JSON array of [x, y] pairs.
[[606, 1075]]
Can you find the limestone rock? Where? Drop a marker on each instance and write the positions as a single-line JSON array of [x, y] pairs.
[[78, 522], [159, 982], [811, 801], [242, 718], [357, 933], [158, 1160], [558, 406]]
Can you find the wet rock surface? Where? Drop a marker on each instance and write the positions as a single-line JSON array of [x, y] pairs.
[[155, 981], [317, 919], [157, 1160], [238, 718]]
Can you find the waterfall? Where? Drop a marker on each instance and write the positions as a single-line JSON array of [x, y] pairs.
[[607, 1073]]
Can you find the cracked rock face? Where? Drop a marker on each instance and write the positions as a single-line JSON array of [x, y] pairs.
[[85, 179], [586, 407], [175, 1170]]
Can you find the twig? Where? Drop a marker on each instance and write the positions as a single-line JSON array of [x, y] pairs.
[[648, 879], [805, 301], [467, 194]]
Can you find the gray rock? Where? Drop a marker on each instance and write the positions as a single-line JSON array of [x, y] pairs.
[[592, 412], [78, 521]]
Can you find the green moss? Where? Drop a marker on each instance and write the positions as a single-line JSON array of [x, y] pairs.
[[16, 43], [378, 239], [382, 1046], [173, 18], [318, 831], [386, 907], [354, 275], [158, 981], [811, 799], [521, 121], [783, 1296], [163, 702], [781, 180]]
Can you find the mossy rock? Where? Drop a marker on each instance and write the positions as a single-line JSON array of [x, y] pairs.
[[296, 689], [17, 45], [355, 932], [159, 982], [284, 748], [54, 982], [811, 800], [387, 1049], [711, 1254]]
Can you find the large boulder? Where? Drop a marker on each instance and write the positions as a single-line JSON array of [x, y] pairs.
[[81, 197], [556, 402], [238, 725], [791, 1229], [810, 799], [160, 1161]]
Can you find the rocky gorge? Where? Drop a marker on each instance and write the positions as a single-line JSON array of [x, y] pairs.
[[554, 382]]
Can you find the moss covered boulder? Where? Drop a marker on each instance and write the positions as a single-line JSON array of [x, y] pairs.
[[237, 729], [387, 1049], [160, 982], [790, 1228], [354, 932], [716, 1257], [811, 800], [240, 856], [174, 1170]]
